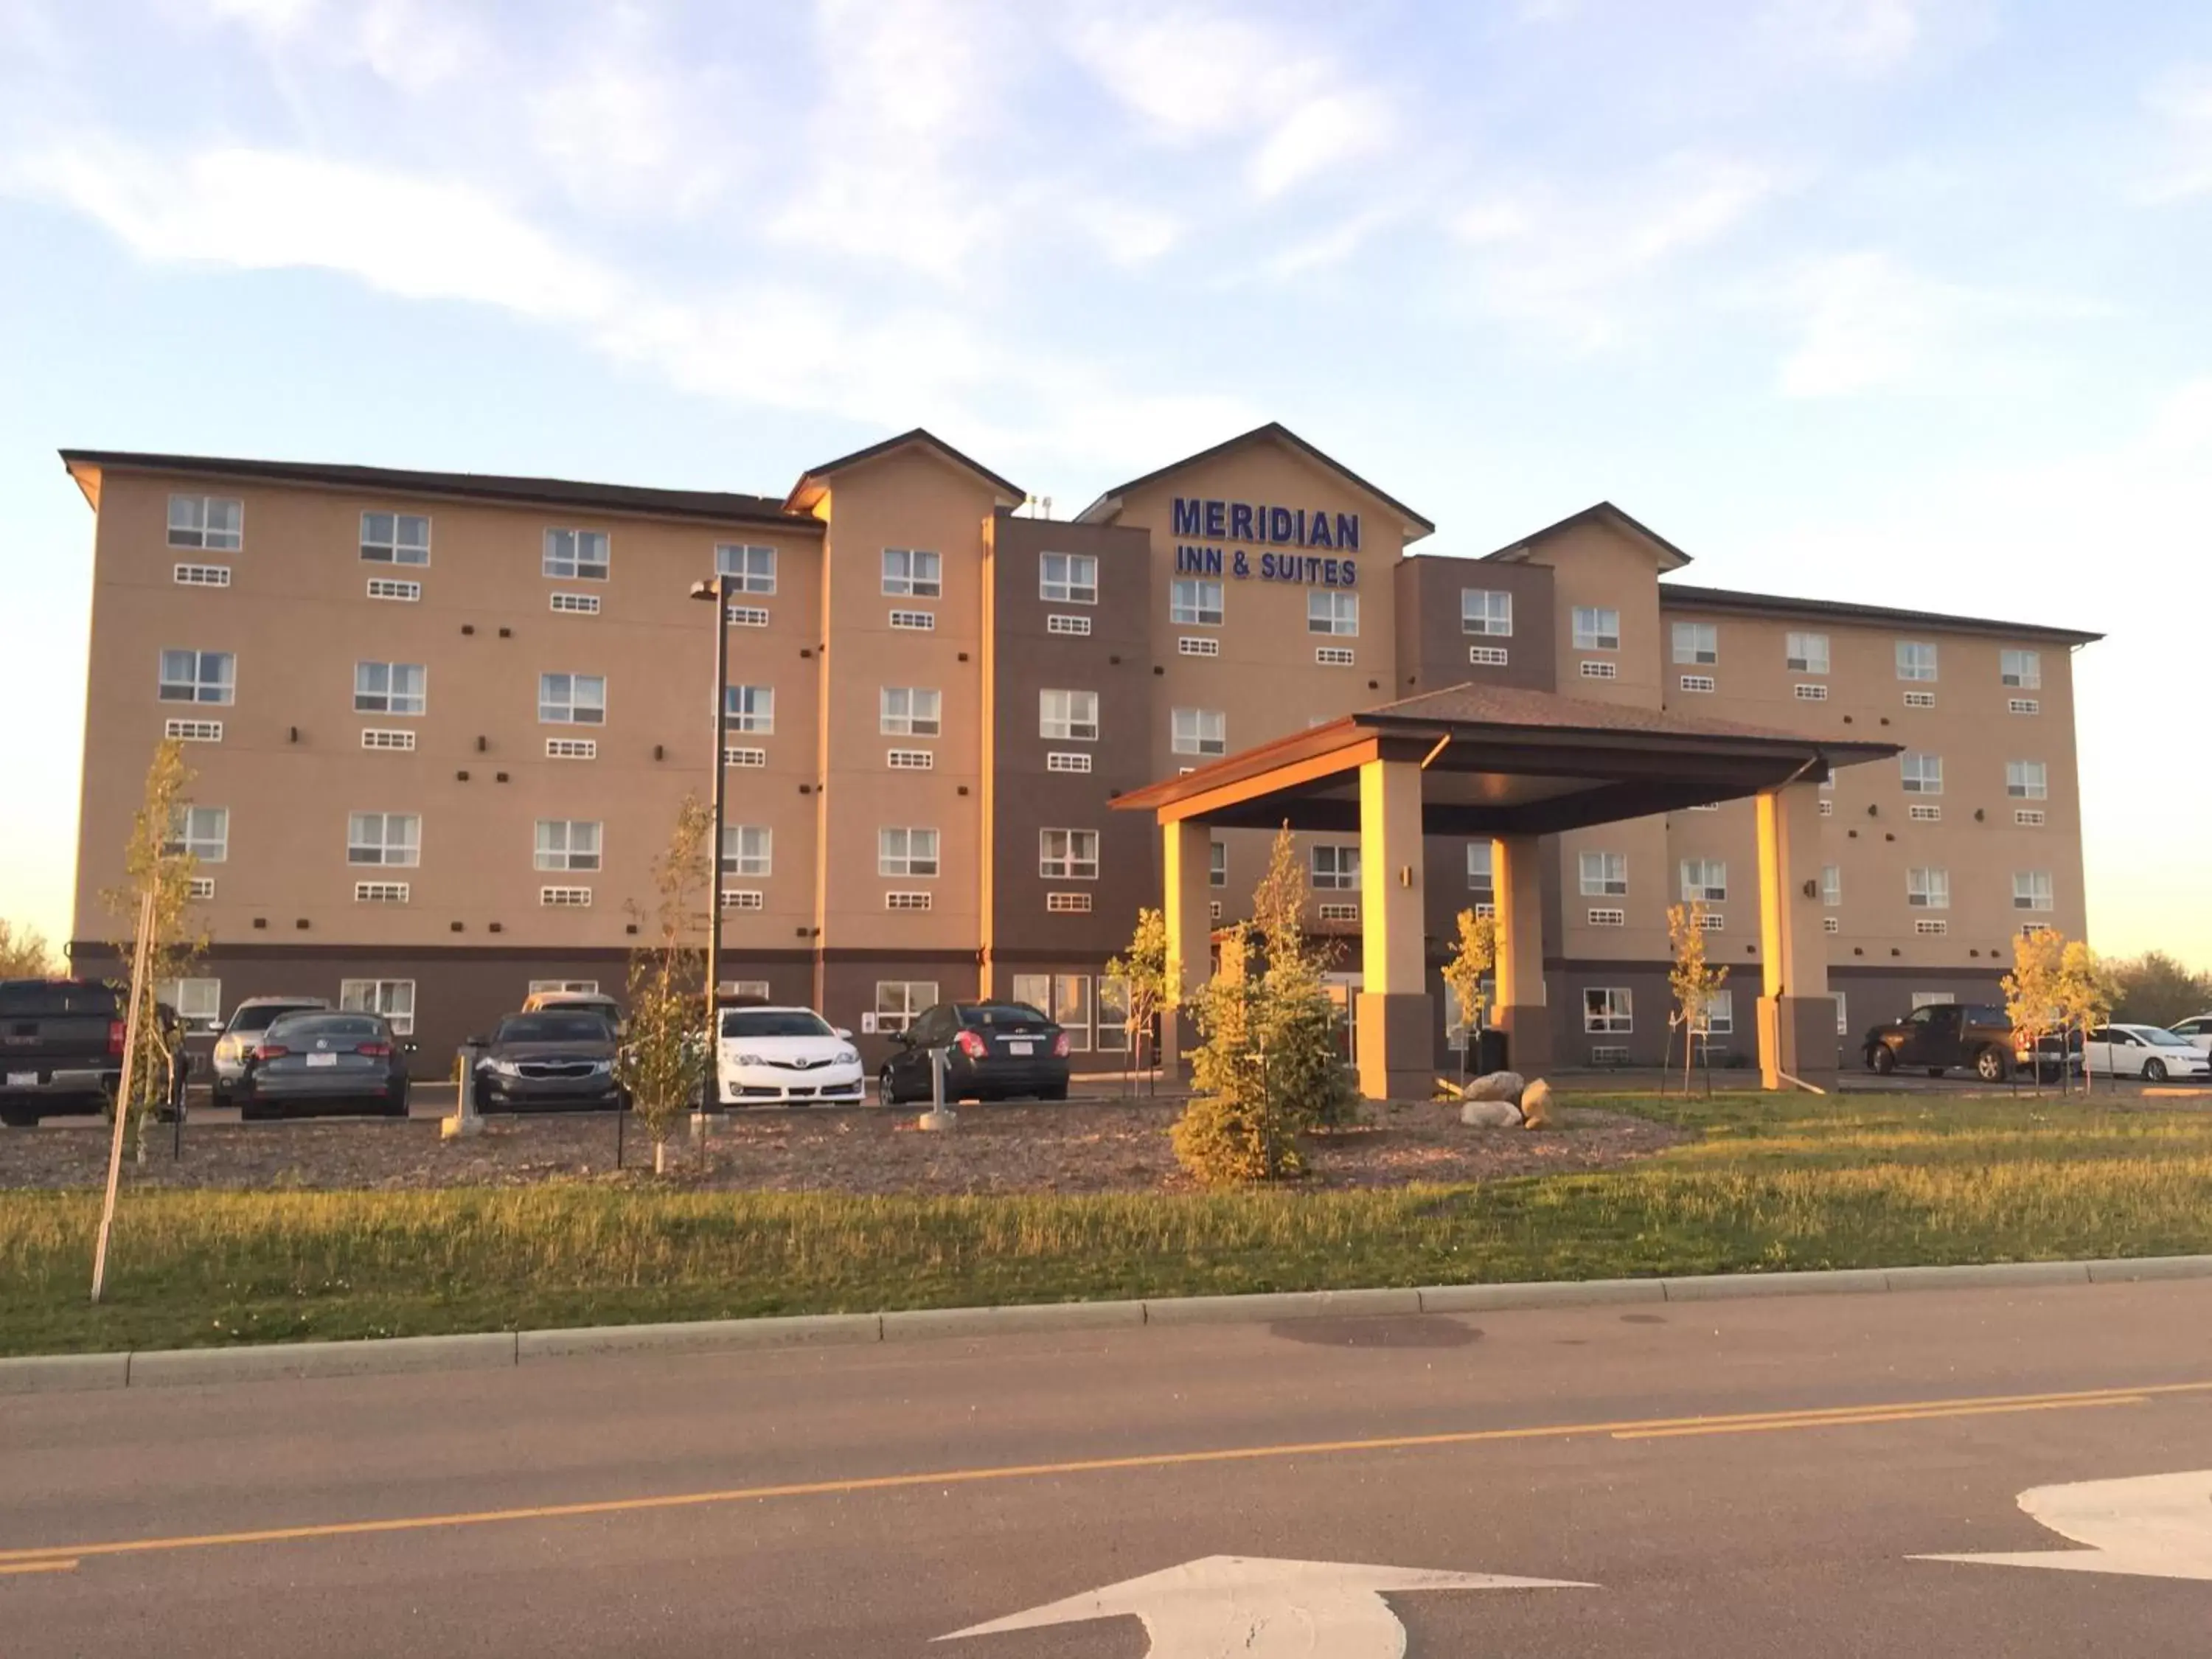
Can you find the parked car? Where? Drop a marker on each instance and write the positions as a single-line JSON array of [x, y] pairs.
[[559, 1057], [247, 1021], [574, 1002], [1943, 1035], [61, 1050], [993, 1050], [2149, 1052], [2197, 1028], [325, 1059], [767, 1055]]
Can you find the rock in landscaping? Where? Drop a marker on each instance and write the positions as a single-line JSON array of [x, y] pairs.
[[1536, 1105], [1495, 1086], [1490, 1115]]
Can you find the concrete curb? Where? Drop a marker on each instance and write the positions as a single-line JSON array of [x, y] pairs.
[[178, 1367]]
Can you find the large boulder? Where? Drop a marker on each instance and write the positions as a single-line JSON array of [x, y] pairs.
[[1490, 1115], [1495, 1086], [1536, 1105]]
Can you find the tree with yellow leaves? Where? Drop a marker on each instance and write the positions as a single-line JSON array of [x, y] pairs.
[[1692, 978]]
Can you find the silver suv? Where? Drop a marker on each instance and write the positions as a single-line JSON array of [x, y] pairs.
[[247, 1021]]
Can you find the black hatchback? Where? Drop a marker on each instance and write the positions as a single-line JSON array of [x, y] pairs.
[[348, 1062], [992, 1051]]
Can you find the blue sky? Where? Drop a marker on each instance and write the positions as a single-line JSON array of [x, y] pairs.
[[1900, 300]]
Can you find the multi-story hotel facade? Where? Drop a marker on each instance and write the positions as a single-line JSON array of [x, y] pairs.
[[441, 725]]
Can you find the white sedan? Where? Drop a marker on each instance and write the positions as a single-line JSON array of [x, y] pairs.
[[2149, 1052], [2197, 1028], [778, 1056]]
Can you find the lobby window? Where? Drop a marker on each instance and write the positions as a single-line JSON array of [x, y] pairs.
[[751, 707], [1927, 889], [1831, 885], [2022, 668], [1696, 642], [899, 1002], [390, 688], [199, 676], [395, 537], [1328, 612], [198, 1002], [1597, 628], [1200, 731], [906, 852], [1605, 875], [572, 699], [1069, 716], [1607, 1009], [1916, 660], [1067, 854], [1067, 578], [2026, 779], [392, 838], [1335, 866], [578, 555], [1922, 775], [394, 999], [751, 569], [1195, 604], [1485, 610], [1480, 881], [2031, 889], [913, 571], [568, 844], [214, 523], [748, 850], [1705, 881], [201, 832], [1217, 864], [1806, 653], [1720, 1012], [910, 711]]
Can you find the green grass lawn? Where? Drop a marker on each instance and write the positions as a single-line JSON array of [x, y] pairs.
[[1770, 1183]]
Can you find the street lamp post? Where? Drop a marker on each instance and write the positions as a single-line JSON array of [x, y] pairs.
[[718, 592]]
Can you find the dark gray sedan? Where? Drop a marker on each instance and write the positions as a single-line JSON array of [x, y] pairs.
[[323, 1061], [552, 1060]]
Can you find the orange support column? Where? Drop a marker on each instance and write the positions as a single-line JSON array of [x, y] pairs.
[[1186, 865], [1517, 882], [1796, 1014], [1395, 1014]]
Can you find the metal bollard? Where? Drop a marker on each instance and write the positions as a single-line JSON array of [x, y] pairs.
[[467, 1119], [940, 1117]]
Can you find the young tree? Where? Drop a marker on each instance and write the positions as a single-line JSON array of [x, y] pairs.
[[663, 1062], [1692, 978], [1143, 972], [1463, 975], [156, 861], [2032, 996], [25, 954], [2086, 994]]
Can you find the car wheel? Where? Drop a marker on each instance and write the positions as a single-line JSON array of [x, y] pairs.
[[886, 1090], [1990, 1067], [2154, 1071], [1881, 1061]]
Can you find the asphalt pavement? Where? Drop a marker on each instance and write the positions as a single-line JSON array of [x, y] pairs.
[[1739, 1478]]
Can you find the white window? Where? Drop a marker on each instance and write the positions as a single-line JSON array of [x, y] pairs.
[[1484, 610], [1335, 866], [913, 571], [911, 760], [1330, 612], [572, 748], [1720, 1012], [1608, 1009], [197, 730], [1068, 904], [390, 688], [577, 555], [1059, 624], [751, 707], [2031, 889], [1113, 1014], [1712, 922], [568, 844], [1843, 1014], [898, 900], [915, 622], [215, 523], [565, 898], [1197, 644], [1831, 925], [748, 850], [392, 838], [1697, 682], [1597, 628], [1480, 879], [751, 569], [1070, 716], [736, 755], [908, 711], [1067, 854], [199, 676], [1200, 731], [380, 892], [746, 616], [588, 987], [1217, 864], [572, 699], [1932, 999], [383, 587], [744, 898], [202, 831], [394, 999], [1831, 885], [1601, 671], [2028, 817], [746, 990], [1064, 760], [2023, 706], [1337, 912], [1487, 656], [202, 575], [395, 537], [1811, 694], [899, 1000], [1606, 916], [1920, 812], [906, 852], [1806, 653], [1605, 875], [1929, 927], [1705, 881], [1920, 700], [1922, 775], [198, 1002], [1334, 656], [2026, 779], [574, 605], [1067, 578], [1927, 889], [1916, 660], [1697, 643], [2023, 669], [1194, 603]]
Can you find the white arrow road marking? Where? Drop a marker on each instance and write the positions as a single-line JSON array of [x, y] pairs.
[[1251, 1607], [2152, 1526]]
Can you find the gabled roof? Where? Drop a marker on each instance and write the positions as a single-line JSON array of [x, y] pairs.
[[716, 505], [1669, 557], [1110, 503], [1682, 596], [810, 487]]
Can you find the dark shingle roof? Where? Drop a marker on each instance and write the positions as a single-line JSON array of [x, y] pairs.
[[1683, 596], [1274, 429], [1671, 558], [917, 436]]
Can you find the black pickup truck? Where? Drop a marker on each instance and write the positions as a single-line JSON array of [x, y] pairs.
[[1972, 1036], [61, 1049]]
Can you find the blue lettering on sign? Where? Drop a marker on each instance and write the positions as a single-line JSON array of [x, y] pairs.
[[1256, 521], [1242, 568], [1217, 519], [1187, 518]]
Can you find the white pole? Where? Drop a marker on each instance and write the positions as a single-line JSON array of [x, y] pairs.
[[123, 1085]]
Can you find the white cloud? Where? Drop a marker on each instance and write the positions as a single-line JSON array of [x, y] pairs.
[[2181, 106], [1864, 35]]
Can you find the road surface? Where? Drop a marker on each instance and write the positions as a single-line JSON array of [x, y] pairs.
[[1746, 1479]]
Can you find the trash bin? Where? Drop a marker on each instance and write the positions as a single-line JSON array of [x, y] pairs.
[[1489, 1052]]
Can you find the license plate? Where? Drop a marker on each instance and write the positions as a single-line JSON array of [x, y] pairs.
[[1013, 1047], [23, 1079], [322, 1060]]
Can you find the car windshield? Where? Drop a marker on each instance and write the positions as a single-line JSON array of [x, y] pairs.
[[554, 1028], [990, 1014], [2154, 1034], [41, 1000], [775, 1022], [342, 1028], [261, 1019]]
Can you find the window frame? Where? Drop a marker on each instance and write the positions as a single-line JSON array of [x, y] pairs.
[[1068, 863], [909, 860], [2020, 785], [745, 578], [2020, 668], [1595, 636], [1343, 873], [391, 550], [1197, 742], [384, 1000], [1700, 654], [1489, 619], [188, 837], [201, 532], [1920, 773], [572, 566], [1798, 656], [1909, 666], [1606, 884], [899, 1012], [750, 708], [1196, 613], [2042, 897], [1707, 890], [1066, 589], [1928, 887], [912, 723], [1487, 887], [366, 699], [200, 690], [568, 856], [546, 704], [758, 862], [1613, 1016], [909, 582], [402, 852], [1338, 607], [1067, 728]]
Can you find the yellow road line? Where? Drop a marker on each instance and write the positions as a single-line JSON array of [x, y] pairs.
[[1842, 1421], [1804, 1417], [37, 1567]]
